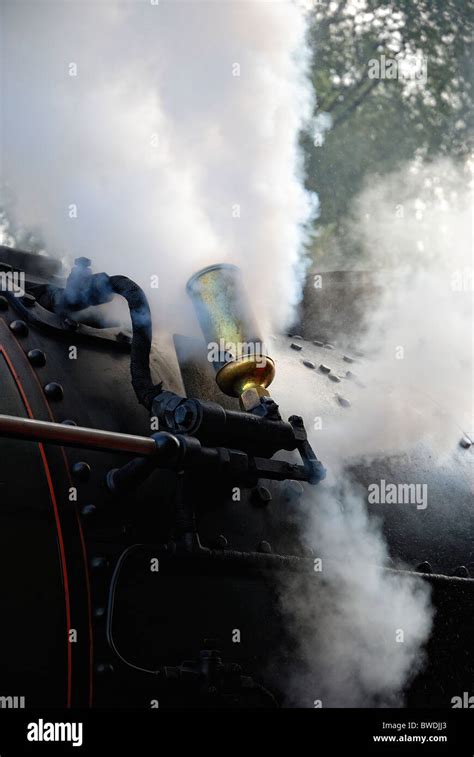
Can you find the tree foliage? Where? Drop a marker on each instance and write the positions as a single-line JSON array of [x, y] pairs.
[[379, 123]]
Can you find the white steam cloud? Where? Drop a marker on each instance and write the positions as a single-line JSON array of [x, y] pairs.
[[177, 140], [361, 629], [415, 227], [173, 127]]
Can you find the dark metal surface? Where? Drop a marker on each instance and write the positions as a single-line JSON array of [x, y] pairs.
[[217, 548]]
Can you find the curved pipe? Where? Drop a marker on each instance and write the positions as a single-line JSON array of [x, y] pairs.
[[84, 289], [140, 316]]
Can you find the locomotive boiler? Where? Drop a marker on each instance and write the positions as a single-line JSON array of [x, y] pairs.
[[150, 500]]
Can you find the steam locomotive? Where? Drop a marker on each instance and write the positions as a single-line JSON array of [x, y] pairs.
[[149, 501]]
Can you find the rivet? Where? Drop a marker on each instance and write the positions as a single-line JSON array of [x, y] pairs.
[[293, 489], [220, 542], [68, 422], [88, 510], [3, 303], [461, 572], [324, 368], [28, 300], [37, 357], [329, 346], [342, 401], [104, 668], [424, 567], [318, 343], [19, 328], [296, 336], [295, 346], [69, 324], [265, 547], [350, 375], [309, 364], [54, 391], [99, 562], [261, 496], [465, 442], [348, 359], [333, 377], [81, 471]]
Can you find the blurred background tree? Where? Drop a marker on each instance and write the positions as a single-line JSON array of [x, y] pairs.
[[377, 124]]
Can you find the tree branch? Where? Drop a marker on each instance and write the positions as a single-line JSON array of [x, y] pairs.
[[355, 103]]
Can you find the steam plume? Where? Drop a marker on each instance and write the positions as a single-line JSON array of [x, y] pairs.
[[176, 141], [414, 227], [173, 127]]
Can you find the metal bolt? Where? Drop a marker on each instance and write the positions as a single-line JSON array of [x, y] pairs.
[[465, 442], [183, 415], [324, 368], [293, 489], [37, 357], [309, 364], [265, 547], [81, 471], [54, 391], [261, 496], [70, 324], [68, 422], [461, 572], [333, 377], [99, 562], [424, 567], [295, 346], [87, 511], [104, 668], [19, 328], [220, 542], [28, 300]]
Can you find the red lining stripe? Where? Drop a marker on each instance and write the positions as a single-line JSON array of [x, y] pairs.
[[58, 523], [81, 534]]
